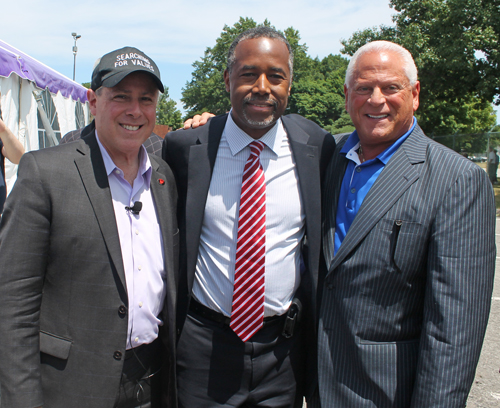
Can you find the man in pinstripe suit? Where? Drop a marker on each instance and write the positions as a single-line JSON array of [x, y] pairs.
[[408, 240]]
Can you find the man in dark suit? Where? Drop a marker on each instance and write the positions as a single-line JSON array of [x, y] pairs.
[[220, 362], [88, 248], [409, 246]]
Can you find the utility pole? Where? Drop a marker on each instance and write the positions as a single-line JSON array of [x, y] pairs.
[[75, 50]]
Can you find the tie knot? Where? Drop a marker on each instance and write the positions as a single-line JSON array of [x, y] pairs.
[[256, 147]]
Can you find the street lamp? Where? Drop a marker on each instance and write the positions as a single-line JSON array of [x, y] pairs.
[[75, 50]]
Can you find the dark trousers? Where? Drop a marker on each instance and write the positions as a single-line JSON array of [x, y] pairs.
[[140, 383], [216, 369]]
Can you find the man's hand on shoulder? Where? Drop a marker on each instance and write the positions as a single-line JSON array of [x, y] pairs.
[[198, 120]]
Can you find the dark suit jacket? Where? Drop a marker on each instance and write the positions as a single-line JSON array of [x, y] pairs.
[[406, 298], [192, 154], [63, 323]]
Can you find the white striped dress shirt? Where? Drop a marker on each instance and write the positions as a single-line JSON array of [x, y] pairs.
[[285, 222]]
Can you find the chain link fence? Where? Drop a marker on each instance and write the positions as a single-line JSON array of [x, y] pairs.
[[475, 146]]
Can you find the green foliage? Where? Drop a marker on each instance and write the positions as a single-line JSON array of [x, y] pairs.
[[455, 46], [341, 125], [206, 92], [457, 41], [86, 84], [167, 112], [317, 86], [468, 114]]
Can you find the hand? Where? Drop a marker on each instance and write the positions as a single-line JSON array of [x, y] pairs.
[[198, 120], [12, 148], [3, 126]]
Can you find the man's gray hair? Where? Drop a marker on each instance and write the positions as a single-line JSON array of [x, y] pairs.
[[377, 46], [259, 32]]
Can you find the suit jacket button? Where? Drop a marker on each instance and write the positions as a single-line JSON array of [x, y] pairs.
[[117, 355], [122, 311]]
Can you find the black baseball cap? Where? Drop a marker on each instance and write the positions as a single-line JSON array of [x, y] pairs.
[[111, 68]]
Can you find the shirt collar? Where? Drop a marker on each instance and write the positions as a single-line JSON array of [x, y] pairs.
[[144, 162], [238, 139], [352, 144]]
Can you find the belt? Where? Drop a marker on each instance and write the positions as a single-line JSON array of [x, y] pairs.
[[203, 311]]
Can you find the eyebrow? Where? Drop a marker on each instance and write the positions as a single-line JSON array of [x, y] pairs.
[[274, 69], [128, 91]]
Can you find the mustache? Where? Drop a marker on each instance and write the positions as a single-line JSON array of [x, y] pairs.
[[253, 99]]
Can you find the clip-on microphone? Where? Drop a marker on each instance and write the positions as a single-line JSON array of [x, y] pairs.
[[136, 208]]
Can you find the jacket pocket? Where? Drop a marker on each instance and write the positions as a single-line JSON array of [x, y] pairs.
[[408, 246], [390, 368], [54, 345]]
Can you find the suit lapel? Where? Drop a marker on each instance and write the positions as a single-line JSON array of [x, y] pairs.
[[93, 173], [398, 175], [306, 159], [201, 163], [164, 211], [308, 171], [331, 191]]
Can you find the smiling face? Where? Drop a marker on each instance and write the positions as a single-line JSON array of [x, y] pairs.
[[125, 114], [380, 100], [259, 84]]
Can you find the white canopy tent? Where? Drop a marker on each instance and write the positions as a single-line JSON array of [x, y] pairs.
[[39, 105]]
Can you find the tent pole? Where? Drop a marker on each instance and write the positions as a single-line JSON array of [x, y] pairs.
[[45, 119]]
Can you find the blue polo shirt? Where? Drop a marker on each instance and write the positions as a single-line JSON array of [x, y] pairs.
[[358, 179]]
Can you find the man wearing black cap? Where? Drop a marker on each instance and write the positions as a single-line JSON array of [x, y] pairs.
[[88, 244]]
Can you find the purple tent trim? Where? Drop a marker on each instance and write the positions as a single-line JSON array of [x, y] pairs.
[[14, 61]]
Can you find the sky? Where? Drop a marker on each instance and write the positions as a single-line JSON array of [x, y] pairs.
[[174, 33]]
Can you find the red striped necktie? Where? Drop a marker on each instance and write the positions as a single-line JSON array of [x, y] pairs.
[[248, 296]]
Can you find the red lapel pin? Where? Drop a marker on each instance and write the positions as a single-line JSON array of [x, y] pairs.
[[161, 181]]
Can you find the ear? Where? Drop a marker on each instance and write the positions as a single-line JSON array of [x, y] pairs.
[[226, 80], [415, 91], [346, 94], [92, 98]]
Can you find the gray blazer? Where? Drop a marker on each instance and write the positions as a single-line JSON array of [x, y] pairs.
[[63, 322], [405, 301]]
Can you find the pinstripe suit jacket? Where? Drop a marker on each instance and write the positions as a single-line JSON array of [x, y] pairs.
[[405, 300], [63, 320]]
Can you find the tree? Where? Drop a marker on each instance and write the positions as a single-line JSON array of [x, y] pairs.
[[167, 112], [455, 46], [318, 93], [206, 92], [317, 86]]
